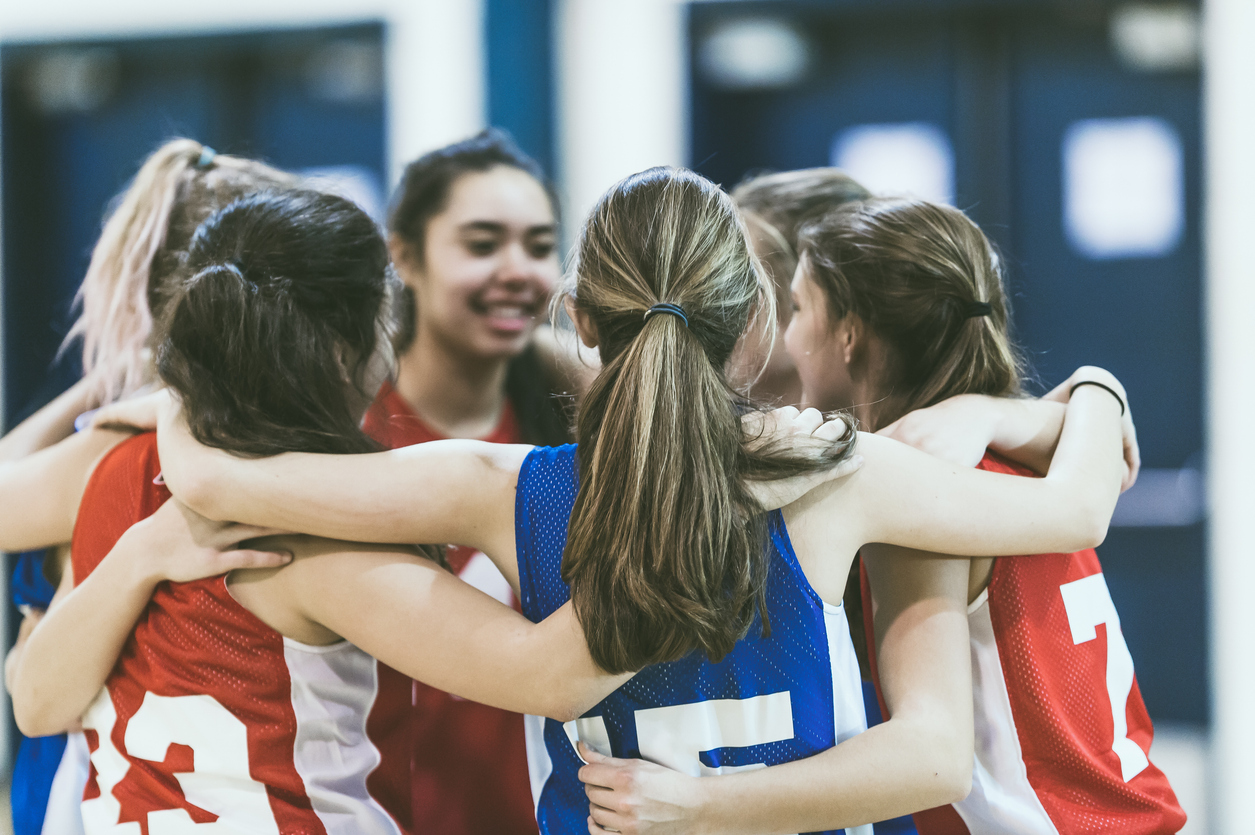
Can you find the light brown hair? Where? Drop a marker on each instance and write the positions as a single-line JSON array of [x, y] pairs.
[[917, 273], [140, 245], [777, 205], [666, 548]]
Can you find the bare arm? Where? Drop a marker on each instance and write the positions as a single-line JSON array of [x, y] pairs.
[[72, 650], [920, 758], [40, 493], [443, 491], [1024, 430], [53, 423], [907, 498], [420, 619], [963, 427]]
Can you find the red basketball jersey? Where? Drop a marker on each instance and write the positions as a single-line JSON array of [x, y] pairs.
[[1062, 735], [470, 771], [211, 718]]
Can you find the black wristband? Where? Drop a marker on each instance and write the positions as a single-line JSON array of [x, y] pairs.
[[1102, 386]]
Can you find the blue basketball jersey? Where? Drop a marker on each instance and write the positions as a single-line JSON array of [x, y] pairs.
[[771, 700]]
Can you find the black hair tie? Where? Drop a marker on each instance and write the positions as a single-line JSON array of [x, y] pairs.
[[669, 308], [976, 309], [1105, 388]]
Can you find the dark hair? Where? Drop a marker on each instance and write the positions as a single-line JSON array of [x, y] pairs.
[[281, 306], [148, 230], [666, 547], [913, 271], [777, 205], [423, 194]]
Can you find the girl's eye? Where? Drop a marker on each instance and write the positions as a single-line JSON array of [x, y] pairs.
[[541, 250], [481, 248]]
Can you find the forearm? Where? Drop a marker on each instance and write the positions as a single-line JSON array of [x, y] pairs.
[[890, 770], [442, 491], [1027, 431], [472, 645], [70, 654], [47, 426], [1087, 467]]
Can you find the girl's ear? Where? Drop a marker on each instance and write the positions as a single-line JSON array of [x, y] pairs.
[[583, 323], [403, 256], [851, 334]]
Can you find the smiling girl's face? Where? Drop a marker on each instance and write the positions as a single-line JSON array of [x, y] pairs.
[[488, 266]]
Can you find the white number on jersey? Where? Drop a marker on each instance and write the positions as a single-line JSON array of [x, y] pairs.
[[221, 784], [676, 736], [1088, 603]]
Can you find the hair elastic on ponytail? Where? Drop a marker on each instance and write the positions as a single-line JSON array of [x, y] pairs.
[[669, 308], [976, 309]]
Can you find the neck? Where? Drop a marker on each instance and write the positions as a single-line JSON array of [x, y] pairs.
[[778, 387], [877, 404], [459, 395]]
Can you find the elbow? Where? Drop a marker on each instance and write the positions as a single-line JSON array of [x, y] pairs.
[[956, 782], [201, 494], [954, 772], [34, 719], [1094, 521], [949, 757]]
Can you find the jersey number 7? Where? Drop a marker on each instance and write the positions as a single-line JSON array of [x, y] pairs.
[[1088, 603]]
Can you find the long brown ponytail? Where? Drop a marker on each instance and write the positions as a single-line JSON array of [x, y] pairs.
[[927, 281], [665, 551]]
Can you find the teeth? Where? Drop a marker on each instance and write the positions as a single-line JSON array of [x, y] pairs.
[[508, 312]]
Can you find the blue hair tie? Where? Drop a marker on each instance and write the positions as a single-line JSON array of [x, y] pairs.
[[668, 307], [207, 155]]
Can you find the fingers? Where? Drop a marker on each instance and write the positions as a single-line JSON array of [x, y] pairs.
[[233, 534], [606, 820], [808, 421], [848, 467], [600, 775], [595, 829], [247, 558], [832, 430], [590, 754]]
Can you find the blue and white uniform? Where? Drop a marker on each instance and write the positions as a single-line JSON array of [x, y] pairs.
[[771, 700]]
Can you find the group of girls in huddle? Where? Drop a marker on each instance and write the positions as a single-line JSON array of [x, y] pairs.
[[680, 568]]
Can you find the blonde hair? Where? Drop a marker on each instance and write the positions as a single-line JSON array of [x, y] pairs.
[[178, 186], [666, 548]]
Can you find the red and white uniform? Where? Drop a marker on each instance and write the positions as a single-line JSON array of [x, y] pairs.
[[470, 761], [1062, 734], [212, 721]]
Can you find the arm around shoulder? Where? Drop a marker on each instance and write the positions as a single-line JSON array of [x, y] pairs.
[[443, 491]]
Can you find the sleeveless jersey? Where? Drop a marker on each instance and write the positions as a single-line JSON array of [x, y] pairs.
[[1062, 734], [210, 717], [771, 700], [470, 761]]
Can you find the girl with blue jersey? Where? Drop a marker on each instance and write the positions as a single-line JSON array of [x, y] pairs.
[[649, 526]]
